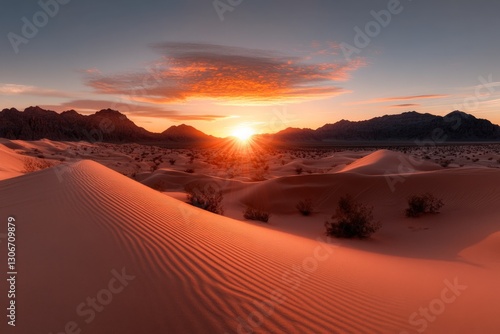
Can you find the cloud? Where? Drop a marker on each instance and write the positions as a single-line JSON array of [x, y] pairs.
[[205, 71], [15, 89], [401, 98], [131, 109], [411, 97], [405, 105], [91, 70], [327, 48]]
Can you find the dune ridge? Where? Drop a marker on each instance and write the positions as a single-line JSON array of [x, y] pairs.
[[195, 272]]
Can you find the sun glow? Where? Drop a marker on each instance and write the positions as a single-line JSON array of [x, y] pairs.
[[243, 133]]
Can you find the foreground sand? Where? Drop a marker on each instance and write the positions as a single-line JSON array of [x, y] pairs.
[[184, 270]]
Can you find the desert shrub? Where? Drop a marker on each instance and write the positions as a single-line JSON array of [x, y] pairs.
[[299, 170], [305, 206], [172, 161], [33, 165], [256, 214], [189, 170], [160, 186], [206, 197], [445, 163], [421, 204], [352, 220], [258, 175]]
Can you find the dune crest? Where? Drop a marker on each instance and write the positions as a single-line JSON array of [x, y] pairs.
[[195, 272], [383, 162]]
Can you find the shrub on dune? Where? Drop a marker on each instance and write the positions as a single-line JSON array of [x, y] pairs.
[[305, 206], [422, 204], [256, 214], [206, 197], [352, 220]]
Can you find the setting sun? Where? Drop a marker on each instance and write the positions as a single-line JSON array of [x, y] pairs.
[[243, 133]]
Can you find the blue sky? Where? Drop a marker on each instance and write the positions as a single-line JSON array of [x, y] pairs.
[[266, 60]]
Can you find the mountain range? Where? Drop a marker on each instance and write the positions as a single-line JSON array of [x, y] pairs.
[[109, 125], [408, 126], [106, 125]]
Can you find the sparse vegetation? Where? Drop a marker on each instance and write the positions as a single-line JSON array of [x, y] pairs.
[[206, 197], [171, 161], [256, 214], [160, 186], [422, 204], [352, 220], [299, 170], [33, 165], [189, 170], [305, 206]]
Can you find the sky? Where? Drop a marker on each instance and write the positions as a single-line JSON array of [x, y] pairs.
[[265, 64]]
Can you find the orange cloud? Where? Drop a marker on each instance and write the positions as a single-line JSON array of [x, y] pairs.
[[204, 71], [411, 97], [405, 105], [402, 98], [328, 48], [15, 89]]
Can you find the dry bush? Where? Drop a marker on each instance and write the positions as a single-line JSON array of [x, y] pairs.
[[422, 204], [256, 214], [34, 164], [352, 220], [206, 197], [305, 206]]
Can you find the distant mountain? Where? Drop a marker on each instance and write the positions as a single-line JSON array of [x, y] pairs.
[[184, 132], [109, 125], [408, 126], [105, 125]]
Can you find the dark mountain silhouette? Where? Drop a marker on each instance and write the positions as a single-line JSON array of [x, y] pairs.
[[183, 132], [105, 125], [408, 126], [108, 125]]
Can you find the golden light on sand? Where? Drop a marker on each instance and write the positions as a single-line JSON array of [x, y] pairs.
[[243, 133]]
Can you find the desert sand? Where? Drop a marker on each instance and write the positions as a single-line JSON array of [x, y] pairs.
[[107, 244]]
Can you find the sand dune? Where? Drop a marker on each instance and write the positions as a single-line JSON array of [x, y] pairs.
[[194, 272], [384, 162], [12, 163], [189, 271]]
